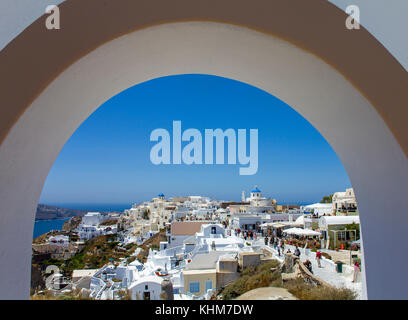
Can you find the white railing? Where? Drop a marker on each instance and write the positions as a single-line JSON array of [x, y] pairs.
[[194, 252], [100, 287]]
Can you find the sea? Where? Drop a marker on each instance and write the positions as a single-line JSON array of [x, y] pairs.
[[44, 226]]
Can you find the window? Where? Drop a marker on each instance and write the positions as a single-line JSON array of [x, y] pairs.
[[194, 287], [146, 287], [341, 236], [208, 285]]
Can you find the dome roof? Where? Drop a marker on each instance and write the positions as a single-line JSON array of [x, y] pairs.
[[256, 189], [160, 195]]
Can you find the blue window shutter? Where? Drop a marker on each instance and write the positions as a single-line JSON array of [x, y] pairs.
[[194, 287], [208, 285]]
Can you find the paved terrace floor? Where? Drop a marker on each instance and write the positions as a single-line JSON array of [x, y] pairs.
[[327, 272]]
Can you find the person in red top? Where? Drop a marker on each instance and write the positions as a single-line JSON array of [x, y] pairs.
[[356, 271], [318, 258]]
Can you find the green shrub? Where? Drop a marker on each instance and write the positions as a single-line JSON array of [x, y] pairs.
[[267, 265], [252, 278], [112, 245], [236, 288], [304, 291], [277, 282], [262, 279], [248, 271]]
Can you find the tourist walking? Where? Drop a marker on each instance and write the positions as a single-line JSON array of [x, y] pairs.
[[308, 265], [266, 241], [297, 252], [356, 271], [279, 251], [318, 258]]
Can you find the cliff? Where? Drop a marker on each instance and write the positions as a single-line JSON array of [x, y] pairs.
[[46, 212], [71, 224]]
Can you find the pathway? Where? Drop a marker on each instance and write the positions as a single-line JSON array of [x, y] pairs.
[[328, 271]]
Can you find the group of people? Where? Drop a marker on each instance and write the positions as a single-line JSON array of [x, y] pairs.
[[276, 243], [279, 245], [250, 235]]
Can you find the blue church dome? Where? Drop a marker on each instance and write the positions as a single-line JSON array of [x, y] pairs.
[[256, 190], [160, 195]]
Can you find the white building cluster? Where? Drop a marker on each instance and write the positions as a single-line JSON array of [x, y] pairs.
[[204, 247], [91, 227], [193, 269]]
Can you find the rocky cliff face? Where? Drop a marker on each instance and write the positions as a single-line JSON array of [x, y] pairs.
[[46, 212], [37, 279], [71, 224]]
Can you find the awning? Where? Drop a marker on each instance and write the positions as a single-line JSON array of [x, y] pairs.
[[301, 232], [273, 225], [280, 224]]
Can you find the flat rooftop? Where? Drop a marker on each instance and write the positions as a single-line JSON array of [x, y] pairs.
[[204, 261], [201, 271], [187, 227]]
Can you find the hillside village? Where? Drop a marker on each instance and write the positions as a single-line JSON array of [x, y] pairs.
[[188, 248]]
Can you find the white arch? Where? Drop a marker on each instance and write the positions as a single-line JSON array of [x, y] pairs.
[[15, 16], [377, 166]]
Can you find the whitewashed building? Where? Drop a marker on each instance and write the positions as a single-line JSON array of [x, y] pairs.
[[319, 209], [344, 201], [146, 288]]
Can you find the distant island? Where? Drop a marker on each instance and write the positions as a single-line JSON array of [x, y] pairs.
[[46, 212]]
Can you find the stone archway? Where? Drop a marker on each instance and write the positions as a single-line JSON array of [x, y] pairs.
[[358, 123]]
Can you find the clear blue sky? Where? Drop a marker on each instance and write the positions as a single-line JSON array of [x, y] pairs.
[[107, 160]]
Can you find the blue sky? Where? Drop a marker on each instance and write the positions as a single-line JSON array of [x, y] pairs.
[[107, 161]]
